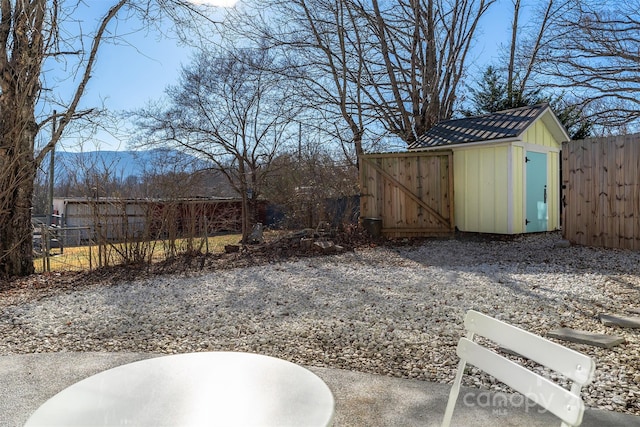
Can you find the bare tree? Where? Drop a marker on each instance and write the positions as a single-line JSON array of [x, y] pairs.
[[519, 82], [28, 35], [228, 109], [32, 33], [595, 56], [316, 38], [512, 50], [415, 55], [391, 66], [525, 46]]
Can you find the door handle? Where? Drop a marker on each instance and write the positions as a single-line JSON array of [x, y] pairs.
[[545, 194]]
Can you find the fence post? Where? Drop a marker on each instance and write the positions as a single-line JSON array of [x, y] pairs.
[[206, 234], [99, 240], [43, 248]]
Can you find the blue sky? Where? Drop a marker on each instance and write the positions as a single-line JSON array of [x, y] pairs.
[[127, 76], [144, 63]]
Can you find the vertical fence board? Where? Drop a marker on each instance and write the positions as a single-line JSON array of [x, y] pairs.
[[630, 173], [633, 181], [579, 180], [601, 180], [608, 194], [618, 237], [597, 184]]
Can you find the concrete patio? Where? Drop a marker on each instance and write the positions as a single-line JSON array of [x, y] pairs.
[[27, 381]]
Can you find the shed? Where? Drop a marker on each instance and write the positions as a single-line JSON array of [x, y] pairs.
[[506, 169]]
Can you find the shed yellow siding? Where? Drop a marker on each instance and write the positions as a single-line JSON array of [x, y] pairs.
[[518, 202], [490, 179], [538, 134], [481, 189], [489, 185]]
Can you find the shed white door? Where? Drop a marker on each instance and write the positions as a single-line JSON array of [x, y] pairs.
[[536, 188]]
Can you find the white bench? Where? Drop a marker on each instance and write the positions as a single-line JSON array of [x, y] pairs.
[[565, 404]]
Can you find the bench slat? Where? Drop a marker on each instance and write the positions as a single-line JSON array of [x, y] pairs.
[[558, 400], [576, 366]]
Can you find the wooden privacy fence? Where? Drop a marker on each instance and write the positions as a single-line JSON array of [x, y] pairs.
[[411, 193], [601, 191]]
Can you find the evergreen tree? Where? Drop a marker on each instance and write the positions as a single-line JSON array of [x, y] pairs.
[[490, 95]]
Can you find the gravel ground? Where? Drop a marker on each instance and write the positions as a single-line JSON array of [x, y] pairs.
[[387, 310]]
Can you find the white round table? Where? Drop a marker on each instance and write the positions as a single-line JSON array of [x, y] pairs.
[[194, 389]]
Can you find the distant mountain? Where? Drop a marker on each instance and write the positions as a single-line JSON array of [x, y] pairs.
[[123, 164]]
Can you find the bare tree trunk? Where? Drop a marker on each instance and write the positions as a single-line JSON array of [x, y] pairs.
[[16, 181], [26, 39], [229, 109], [533, 59], [422, 41], [512, 51], [21, 56], [433, 100], [336, 62]]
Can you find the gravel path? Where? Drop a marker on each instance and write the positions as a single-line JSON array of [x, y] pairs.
[[391, 311]]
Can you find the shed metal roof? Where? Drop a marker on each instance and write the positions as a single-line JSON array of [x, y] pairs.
[[489, 127]]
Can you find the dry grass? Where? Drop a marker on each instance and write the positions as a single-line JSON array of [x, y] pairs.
[[82, 258]]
